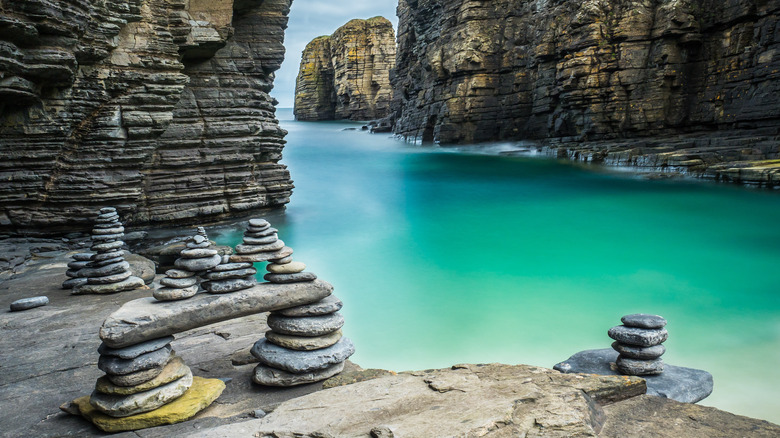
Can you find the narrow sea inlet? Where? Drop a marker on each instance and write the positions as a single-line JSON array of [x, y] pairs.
[[444, 258]]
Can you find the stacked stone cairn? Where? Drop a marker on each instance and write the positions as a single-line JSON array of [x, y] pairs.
[[261, 244], [197, 258], [639, 344], [107, 272], [80, 261], [139, 378]]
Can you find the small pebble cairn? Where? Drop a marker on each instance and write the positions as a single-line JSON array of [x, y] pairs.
[[182, 283], [198, 256], [139, 378], [177, 284], [639, 344], [107, 271], [80, 261], [261, 244]]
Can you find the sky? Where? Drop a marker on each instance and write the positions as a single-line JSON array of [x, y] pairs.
[[312, 18]]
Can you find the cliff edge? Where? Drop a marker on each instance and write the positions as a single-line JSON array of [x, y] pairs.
[[157, 107], [347, 75]]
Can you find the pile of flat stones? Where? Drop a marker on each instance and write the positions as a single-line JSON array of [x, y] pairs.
[[261, 244], [196, 259], [79, 262], [285, 271], [304, 345], [639, 344], [139, 378], [107, 271]]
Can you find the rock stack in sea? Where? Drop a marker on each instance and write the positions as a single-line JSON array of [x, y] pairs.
[[139, 378], [261, 244], [80, 261], [304, 345], [107, 272], [639, 344]]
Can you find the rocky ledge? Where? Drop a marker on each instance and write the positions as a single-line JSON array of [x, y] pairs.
[[347, 75], [158, 107]]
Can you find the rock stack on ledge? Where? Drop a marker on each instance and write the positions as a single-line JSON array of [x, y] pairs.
[[198, 256], [261, 244], [178, 284], [304, 344], [637, 352], [639, 344], [107, 272]]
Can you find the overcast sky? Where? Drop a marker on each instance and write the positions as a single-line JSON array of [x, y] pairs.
[[312, 18]]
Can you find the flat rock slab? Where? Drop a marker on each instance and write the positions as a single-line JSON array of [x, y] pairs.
[[201, 394], [145, 319], [686, 385], [28, 303]]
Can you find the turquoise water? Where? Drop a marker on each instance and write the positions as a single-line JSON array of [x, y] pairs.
[[444, 258]]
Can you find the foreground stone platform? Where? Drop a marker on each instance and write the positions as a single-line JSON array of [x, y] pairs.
[[145, 319], [201, 394], [686, 385]]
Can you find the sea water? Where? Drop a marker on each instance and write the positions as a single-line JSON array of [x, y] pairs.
[[444, 257]]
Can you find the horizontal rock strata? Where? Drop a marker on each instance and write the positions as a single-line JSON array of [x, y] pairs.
[[161, 106], [347, 75], [582, 75]]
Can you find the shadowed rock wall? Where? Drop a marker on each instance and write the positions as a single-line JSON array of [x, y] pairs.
[[157, 107], [471, 70], [347, 75]]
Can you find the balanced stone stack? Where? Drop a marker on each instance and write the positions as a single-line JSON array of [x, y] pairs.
[[305, 345], [107, 271], [198, 256], [80, 261], [139, 378], [284, 271], [261, 244], [230, 277], [639, 344], [178, 284]]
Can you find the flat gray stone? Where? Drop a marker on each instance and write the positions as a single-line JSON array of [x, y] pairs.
[[113, 268], [76, 266], [303, 343], [82, 256], [110, 279], [29, 303], [232, 266], [198, 239], [267, 240], [178, 273], [326, 306], [146, 318], [286, 268], [198, 265], [135, 379], [254, 249], [106, 262], [229, 275], [118, 366], [72, 274], [198, 253], [179, 283], [642, 353], [290, 278], [174, 294], [202, 245], [107, 237], [636, 367], [259, 223], [283, 260], [108, 255], [136, 350], [685, 385], [256, 232], [74, 283], [300, 362], [638, 336], [127, 405], [108, 246], [268, 376], [306, 326], [643, 320], [107, 210], [97, 231], [174, 370], [229, 286], [125, 285], [261, 257]]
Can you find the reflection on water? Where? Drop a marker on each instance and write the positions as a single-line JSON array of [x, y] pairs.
[[444, 258]]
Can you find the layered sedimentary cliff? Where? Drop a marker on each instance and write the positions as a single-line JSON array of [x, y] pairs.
[[158, 107], [574, 72], [347, 75]]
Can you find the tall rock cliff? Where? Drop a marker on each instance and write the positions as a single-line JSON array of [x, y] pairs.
[[157, 107], [347, 75], [574, 70]]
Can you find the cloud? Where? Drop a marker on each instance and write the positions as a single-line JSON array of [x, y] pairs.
[[312, 18]]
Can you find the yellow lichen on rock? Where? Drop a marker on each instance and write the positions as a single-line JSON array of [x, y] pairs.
[[201, 394]]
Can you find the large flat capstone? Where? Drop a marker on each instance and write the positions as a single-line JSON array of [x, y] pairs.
[[145, 319]]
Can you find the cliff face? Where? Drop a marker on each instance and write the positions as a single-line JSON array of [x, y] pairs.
[[347, 75], [157, 107], [471, 70]]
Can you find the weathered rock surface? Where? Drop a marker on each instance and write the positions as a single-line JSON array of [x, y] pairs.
[[582, 75], [347, 75], [145, 319], [161, 106]]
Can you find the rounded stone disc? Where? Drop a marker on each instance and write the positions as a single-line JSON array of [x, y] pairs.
[[637, 336], [326, 306], [268, 376], [306, 326], [303, 343]]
